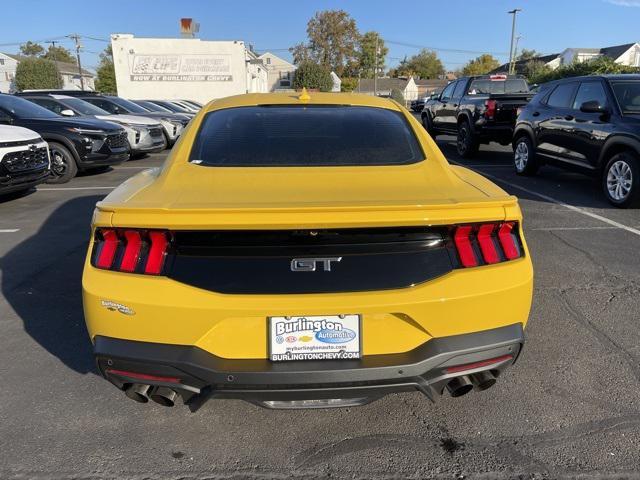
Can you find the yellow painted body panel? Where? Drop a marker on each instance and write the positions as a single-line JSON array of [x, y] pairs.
[[181, 195]]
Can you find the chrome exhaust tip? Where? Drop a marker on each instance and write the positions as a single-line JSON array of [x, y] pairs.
[[164, 396], [138, 392], [459, 386], [483, 380]]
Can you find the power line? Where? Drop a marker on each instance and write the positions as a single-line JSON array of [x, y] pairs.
[[450, 50]]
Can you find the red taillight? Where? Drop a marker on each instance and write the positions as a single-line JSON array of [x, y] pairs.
[[464, 247], [157, 252], [490, 111], [485, 240], [143, 376], [108, 248], [508, 241], [131, 250], [474, 365], [486, 244]]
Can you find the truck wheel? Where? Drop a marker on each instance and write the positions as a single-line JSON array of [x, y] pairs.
[[466, 144], [621, 180], [63, 164], [428, 125], [524, 156]]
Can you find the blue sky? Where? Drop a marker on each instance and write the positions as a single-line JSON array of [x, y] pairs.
[[472, 25]]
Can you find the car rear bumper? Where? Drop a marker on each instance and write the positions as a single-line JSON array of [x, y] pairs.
[[198, 375]]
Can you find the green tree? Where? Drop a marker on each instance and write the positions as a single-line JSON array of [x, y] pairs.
[[106, 73], [332, 41], [31, 49], [425, 64], [480, 65], [367, 56], [528, 54], [535, 69], [397, 96], [312, 75], [349, 84], [59, 54], [596, 66], [36, 73]]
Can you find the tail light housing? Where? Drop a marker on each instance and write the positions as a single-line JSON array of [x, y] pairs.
[[486, 243], [490, 109], [131, 250]]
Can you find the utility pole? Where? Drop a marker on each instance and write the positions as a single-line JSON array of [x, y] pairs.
[[513, 12], [55, 62], [515, 51], [375, 71], [76, 38]]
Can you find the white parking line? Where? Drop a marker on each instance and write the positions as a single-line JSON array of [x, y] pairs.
[[131, 168], [553, 229], [482, 165], [75, 188], [9, 230], [587, 213]]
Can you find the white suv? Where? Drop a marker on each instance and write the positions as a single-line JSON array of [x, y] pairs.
[[24, 159]]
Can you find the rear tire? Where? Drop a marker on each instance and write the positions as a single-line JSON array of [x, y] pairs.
[[63, 164], [466, 144], [524, 156], [621, 180]]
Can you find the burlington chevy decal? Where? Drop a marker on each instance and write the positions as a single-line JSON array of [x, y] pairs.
[[332, 337]]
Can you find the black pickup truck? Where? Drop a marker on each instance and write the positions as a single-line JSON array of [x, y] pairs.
[[478, 110]]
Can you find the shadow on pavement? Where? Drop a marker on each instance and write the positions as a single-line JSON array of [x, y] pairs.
[[41, 280]]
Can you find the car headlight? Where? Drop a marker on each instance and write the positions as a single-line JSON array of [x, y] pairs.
[[85, 131]]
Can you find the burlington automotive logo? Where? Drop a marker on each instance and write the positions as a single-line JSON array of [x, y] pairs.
[[302, 324]]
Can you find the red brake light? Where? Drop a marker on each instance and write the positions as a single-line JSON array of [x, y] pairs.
[[487, 247], [132, 251], [464, 247], [486, 244], [508, 242], [157, 253], [108, 249], [490, 111]]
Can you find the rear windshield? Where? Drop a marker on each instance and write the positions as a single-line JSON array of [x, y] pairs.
[[305, 136], [486, 86]]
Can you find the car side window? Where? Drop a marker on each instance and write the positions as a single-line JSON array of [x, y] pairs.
[[590, 92], [562, 95], [448, 91], [108, 106], [459, 90], [49, 105]]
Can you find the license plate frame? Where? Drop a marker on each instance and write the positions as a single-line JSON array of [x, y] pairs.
[[325, 341]]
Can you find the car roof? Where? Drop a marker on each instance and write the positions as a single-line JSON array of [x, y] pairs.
[[619, 76], [314, 98]]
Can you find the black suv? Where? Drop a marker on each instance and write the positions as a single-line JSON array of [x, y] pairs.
[[587, 123], [74, 143]]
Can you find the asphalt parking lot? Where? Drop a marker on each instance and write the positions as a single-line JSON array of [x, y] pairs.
[[569, 407]]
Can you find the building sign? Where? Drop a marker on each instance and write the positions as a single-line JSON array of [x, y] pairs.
[[181, 68]]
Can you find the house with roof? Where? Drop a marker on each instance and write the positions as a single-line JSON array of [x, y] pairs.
[[626, 54], [383, 86], [428, 86], [279, 72], [68, 71]]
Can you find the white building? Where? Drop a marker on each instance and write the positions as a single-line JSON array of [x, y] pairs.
[[279, 72], [185, 68], [8, 67], [627, 54], [383, 87]]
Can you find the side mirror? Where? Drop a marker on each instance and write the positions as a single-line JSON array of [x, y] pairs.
[[67, 113], [592, 106]]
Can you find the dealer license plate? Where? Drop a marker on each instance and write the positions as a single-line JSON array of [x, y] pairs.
[[320, 337]]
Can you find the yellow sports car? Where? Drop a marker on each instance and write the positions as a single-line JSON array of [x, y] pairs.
[[305, 251]]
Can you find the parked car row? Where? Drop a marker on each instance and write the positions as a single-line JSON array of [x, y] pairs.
[[588, 124], [52, 135]]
